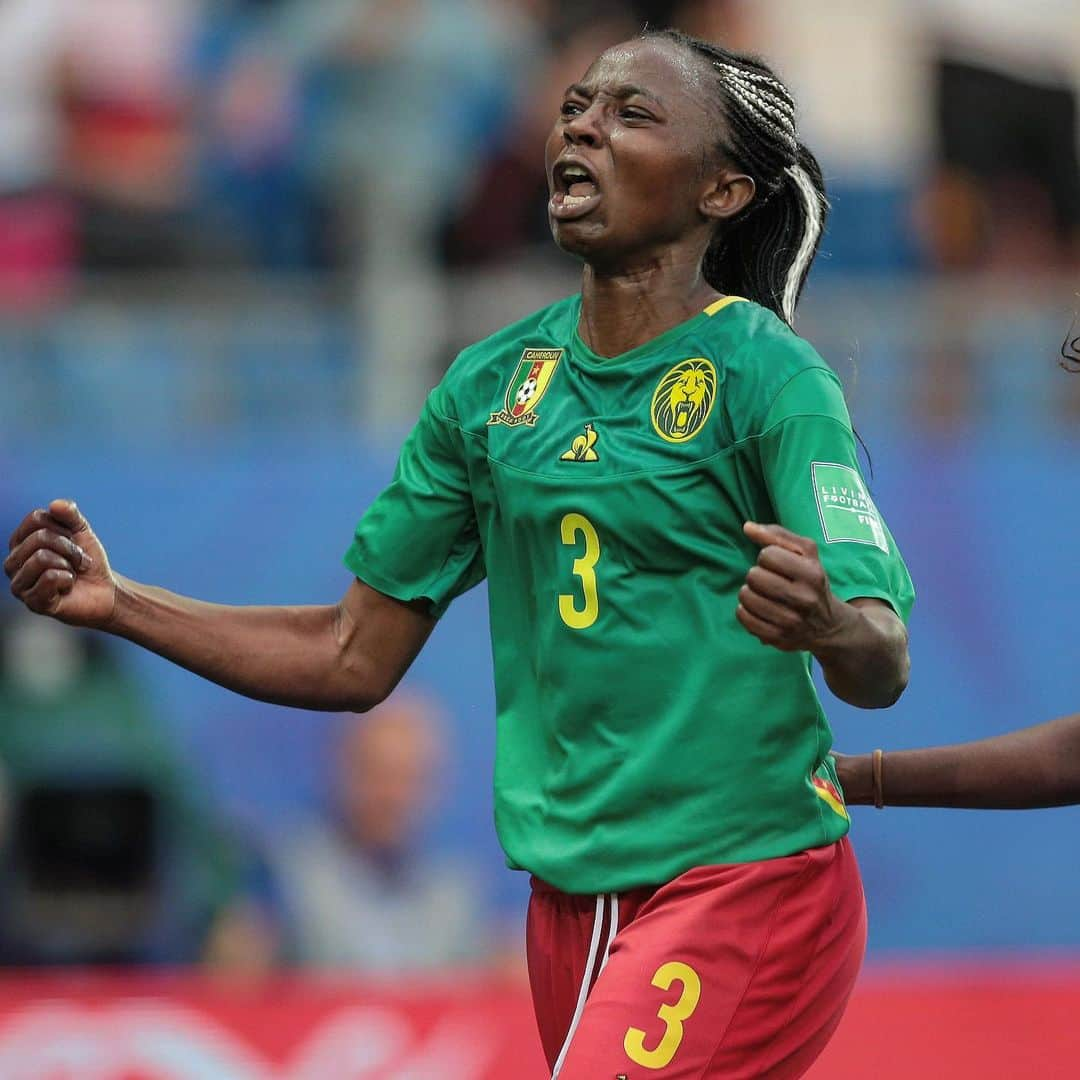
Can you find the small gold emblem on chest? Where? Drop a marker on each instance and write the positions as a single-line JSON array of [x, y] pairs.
[[583, 448]]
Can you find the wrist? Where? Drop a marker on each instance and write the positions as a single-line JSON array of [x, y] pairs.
[[864, 658], [845, 629], [124, 600], [856, 775]]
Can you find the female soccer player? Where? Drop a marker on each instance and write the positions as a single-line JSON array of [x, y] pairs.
[[1034, 767], [697, 910]]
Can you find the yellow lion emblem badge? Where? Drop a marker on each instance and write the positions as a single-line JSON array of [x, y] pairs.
[[684, 399]]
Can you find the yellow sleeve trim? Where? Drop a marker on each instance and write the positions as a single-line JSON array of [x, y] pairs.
[[719, 305]]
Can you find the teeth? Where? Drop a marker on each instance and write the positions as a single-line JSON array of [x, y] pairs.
[[575, 200]]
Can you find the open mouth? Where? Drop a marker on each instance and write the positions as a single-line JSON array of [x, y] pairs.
[[575, 192]]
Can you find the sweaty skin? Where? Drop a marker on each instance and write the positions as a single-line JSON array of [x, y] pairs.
[[636, 126], [1034, 767]]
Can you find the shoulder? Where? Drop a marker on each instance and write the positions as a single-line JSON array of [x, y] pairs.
[[764, 362], [763, 346], [481, 369]]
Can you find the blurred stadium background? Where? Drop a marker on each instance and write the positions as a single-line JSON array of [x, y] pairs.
[[239, 240]]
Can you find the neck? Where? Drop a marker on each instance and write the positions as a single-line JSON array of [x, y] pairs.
[[624, 309]]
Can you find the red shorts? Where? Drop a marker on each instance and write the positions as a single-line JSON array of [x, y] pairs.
[[728, 971]]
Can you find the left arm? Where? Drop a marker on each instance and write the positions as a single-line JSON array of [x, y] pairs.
[[787, 602], [829, 579]]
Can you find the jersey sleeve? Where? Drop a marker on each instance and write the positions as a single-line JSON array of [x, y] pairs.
[[419, 538], [812, 474]]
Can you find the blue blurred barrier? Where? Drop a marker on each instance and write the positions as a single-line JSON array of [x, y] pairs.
[[985, 524]]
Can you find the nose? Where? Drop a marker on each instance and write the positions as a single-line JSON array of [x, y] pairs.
[[585, 129]]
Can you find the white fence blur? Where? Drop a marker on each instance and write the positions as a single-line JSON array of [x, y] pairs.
[[169, 360]]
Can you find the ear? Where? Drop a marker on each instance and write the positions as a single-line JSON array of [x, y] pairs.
[[729, 192]]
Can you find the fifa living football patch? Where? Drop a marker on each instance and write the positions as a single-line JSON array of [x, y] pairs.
[[844, 506]]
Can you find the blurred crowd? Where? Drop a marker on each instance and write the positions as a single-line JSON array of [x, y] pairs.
[[278, 134], [383, 145]]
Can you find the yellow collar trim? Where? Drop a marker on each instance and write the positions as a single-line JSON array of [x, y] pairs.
[[719, 305]]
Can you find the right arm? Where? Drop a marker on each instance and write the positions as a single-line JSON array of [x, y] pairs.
[[1034, 767], [342, 657]]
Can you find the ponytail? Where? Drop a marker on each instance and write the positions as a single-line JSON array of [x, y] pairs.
[[765, 254]]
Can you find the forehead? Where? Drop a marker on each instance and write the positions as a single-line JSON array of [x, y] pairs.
[[674, 75]]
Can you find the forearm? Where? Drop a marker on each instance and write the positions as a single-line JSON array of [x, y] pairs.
[[298, 656], [1035, 767], [865, 661]]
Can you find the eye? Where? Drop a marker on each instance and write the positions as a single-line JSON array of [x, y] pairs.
[[632, 113], [571, 108]]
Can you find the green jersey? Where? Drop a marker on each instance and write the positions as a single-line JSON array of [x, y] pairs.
[[641, 730]]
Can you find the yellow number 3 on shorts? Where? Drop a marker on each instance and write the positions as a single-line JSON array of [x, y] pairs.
[[672, 1015]]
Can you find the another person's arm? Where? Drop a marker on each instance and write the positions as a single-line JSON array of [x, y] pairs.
[[345, 656], [1034, 767]]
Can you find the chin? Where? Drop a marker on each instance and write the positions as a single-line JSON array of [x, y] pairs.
[[581, 238]]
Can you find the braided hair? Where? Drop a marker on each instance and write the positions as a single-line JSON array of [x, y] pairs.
[[764, 253]]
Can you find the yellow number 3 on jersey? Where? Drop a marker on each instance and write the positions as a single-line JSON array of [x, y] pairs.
[[574, 617], [672, 1015]]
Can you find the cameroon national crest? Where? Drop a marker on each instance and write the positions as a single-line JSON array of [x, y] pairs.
[[683, 400], [527, 387]]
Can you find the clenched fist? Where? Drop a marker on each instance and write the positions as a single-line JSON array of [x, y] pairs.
[[786, 601], [58, 567]]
